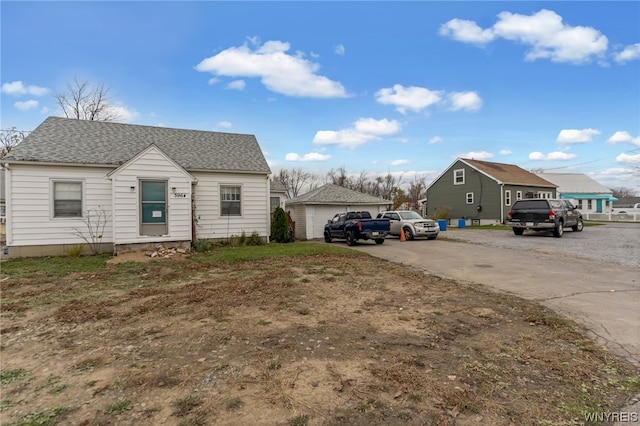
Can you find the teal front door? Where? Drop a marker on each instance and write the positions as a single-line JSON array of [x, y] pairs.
[[598, 206], [153, 207]]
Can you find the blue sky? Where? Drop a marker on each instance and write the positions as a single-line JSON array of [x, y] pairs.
[[400, 87]]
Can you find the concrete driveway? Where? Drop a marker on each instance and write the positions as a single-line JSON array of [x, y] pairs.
[[603, 296]]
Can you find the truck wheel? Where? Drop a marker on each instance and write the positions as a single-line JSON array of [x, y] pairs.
[[578, 226], [408, 234], [327, 237], [350, 240], [558, 230], [518, 231], [380, 241]]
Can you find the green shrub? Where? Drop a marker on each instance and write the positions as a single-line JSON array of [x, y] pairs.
[[255, 239], [280, 226], [201, 245]]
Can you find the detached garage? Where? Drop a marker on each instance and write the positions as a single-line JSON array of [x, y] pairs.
[[312, 210]]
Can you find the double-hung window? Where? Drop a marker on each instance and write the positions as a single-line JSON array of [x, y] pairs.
[[230, 200], [469, 197], [67, 199], [458, 177]]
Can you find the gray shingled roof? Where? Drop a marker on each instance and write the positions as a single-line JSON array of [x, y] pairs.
[[334, 194], [64, 140], [575, 183]]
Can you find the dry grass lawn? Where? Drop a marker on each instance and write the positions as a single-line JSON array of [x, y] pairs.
[[295, 334]]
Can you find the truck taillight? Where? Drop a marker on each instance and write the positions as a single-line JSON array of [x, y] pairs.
[[509, 214], [552, 214], [359, 227]]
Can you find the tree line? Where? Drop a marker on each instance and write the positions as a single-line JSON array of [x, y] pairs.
[[388, 186]]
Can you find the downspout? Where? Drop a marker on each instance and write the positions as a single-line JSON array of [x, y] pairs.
[[114, 236], [268, 208], [8, 205], [502, 203]]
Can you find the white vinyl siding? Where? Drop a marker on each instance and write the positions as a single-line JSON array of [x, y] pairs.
[[212, 223], [32, 207], [151, 164]]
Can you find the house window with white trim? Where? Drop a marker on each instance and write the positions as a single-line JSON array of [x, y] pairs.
[[507, 197], [518, 195], [469, 197], [67, 199], [458, 177], [230, 200], [542, 194]]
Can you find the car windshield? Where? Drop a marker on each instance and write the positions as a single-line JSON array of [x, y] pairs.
[[408, 215]]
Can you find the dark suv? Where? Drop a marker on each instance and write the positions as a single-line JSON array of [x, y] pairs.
[[543, 214]]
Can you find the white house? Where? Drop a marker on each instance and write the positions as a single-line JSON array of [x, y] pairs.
[[154, 185], [311, 211], [585, 193]]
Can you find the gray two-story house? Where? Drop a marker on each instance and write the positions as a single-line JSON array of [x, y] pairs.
[[482, 192]]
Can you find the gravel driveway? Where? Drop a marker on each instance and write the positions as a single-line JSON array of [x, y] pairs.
[[611, 242]]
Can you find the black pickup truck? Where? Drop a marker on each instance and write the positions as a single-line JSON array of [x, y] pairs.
[[354, 226], [543, 214]]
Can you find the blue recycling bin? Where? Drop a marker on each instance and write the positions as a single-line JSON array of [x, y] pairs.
[[462, 223], [442, 223]]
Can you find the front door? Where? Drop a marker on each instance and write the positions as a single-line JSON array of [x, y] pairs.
[[153, 207], [598, 206]]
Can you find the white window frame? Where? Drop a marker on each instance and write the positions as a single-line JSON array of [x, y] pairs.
[[544, 194], [469, 197], [53, 198], [518, 195], [240, 189], [507, 197], [458, 173]]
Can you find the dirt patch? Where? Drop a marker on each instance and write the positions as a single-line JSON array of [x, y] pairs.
[[321, 339]]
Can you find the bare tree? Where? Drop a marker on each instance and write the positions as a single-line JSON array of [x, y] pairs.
[[85, 101], [339, 177], [9, 139], [416, 191], [622, 192], [387, 184], [293, 180]]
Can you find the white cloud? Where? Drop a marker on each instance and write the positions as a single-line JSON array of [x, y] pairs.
[[556, 155], [544, 32], [630, 53], [17, 88], [466, 32], [364, 130], [339, 50], [280, 72], [223, 124], [408, 98], [630, 159], [400, 162], [468, 101], [505, 152], [312, 156], [237, 85], [123, 113], [623, 137], [576, 136], [477, 155], [26, 105], [434, 140]]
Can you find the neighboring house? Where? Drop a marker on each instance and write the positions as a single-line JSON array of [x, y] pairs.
[[155, 185], [482, 191], [311, 211], [585, 193], [278, 195]]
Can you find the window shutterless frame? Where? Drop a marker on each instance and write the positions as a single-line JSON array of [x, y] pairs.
[[67, 198], [153, 207]]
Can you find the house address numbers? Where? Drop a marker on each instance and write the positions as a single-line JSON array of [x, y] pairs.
[[179, 195]]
